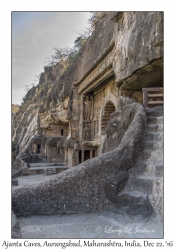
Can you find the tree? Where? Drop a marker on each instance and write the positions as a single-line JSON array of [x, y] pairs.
[[95, 16], [65, 56], [79, 42], [27, 87], [60, 56], [36, 79]]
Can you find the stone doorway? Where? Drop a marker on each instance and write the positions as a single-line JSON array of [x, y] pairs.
[[86, 155], [107, 111], [38, 148]]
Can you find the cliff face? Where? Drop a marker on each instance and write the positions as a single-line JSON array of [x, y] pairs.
[[58, 106], [81, 119], [25, 122], [127, 45]]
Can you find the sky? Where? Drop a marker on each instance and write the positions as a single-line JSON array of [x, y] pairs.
[[34, 35]]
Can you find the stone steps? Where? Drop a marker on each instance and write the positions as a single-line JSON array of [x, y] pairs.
[[49, 171], [146, 154], [44, 158], [155, 169], [152, 144], [156, 156], [150, 167], [142, 183], [136, 198], [154, 114], [134, 203], [155, 128], [154, 136], [155, 120]]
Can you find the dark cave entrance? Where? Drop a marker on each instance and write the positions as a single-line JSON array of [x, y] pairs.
[[86, 155], [38, 148]]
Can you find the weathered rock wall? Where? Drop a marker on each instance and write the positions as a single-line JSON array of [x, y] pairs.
[[118, 124], [138, 43], [96, 47], [25, 121], [30, 132], [84, 188], [57, 107], [130, 42]]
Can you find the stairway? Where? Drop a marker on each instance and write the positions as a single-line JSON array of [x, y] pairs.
[[143, 192], [48, 171]]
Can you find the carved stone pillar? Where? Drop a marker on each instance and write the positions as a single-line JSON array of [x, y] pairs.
[[91, 153], [43, 150], [35, 148], [48, 154], [92, 117], [81, 118], [82, 156], [65, 156]]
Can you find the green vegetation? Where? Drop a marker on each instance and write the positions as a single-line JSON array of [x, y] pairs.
[[29, 102], [23, 107], [35, 106], [47, 68], [65, 56], [15, 108], [79, 42], [44, 88]]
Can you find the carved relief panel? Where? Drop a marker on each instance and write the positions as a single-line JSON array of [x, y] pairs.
[[98, 101]]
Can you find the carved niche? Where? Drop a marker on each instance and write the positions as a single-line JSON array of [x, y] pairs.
[[87, 130], [88, 108]]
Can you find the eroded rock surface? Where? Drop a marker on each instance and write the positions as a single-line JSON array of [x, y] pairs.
[[15, 227], [83, 187], [139, 50]]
